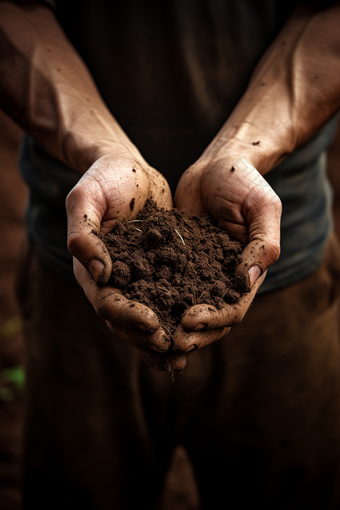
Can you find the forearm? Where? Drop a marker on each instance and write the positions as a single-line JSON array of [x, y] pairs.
[[293, 91], [46, 88]]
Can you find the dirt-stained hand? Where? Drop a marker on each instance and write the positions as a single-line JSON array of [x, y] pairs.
[[116, 187], [241, 201]]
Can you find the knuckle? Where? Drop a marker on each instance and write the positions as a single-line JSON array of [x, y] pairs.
[[111, 306], [273, 251], [72, 197], [103, 310], [236, 320], [273, 202], [277, 204], [73, 241]]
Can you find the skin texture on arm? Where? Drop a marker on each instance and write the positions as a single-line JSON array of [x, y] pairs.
[[47, 89], [293, 91], [38, 62]]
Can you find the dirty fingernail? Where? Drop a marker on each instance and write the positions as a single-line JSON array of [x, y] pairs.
[[254, 272], [145, 328], [95, 268], [193, 347], [156, 347], [199, 327]]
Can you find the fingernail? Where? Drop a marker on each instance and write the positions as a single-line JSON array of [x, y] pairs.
[[156, 347], [199, 327], [254, 272], [145, 328], [193, 347], [95, 268]]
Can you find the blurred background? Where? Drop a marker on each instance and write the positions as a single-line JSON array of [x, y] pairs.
[[180, 489]]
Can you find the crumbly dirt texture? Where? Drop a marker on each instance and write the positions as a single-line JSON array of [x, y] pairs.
[[171, 262]]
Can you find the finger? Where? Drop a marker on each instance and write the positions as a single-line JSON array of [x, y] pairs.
[[84, 219], [158, 341], [112, 306], [160, 190], [262, 212], [188, 341], [188, 192], [205, 317], [113, 188]]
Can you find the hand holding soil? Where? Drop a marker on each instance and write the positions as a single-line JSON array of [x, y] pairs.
[[163, 282], [240, 200], [176, 266], [114, 188]]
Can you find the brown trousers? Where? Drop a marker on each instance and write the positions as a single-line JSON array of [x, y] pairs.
[[258, 412]]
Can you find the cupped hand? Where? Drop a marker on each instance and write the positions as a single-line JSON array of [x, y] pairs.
[[116, 187], [241, 201]]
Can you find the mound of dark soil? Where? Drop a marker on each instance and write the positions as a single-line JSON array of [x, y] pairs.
[[170, 262]]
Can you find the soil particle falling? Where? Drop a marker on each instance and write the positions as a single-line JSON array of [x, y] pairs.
[[171, 262], [132, 204]]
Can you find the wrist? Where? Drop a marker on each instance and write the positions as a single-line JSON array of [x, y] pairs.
[[82, 147], [261, 153], [264, 139]]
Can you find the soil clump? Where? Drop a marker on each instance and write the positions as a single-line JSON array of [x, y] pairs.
[[171, 262]]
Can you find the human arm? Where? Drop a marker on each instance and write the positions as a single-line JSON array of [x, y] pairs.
[[293, 91], [46, 88]]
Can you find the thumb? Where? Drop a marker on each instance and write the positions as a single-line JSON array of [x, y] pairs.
[[262, 211], [83, 226]]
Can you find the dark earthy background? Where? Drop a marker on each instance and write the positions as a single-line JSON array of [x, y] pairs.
[[180, 491]]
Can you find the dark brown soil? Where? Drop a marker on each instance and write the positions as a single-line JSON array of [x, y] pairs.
[[171, 262]]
